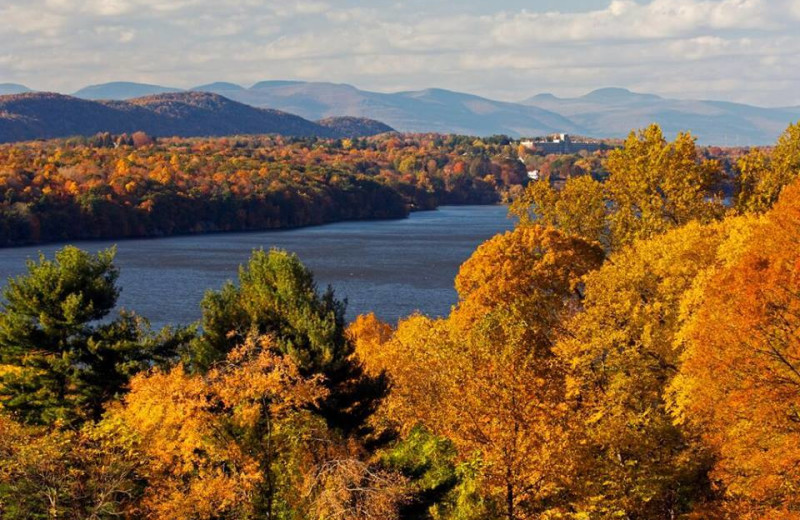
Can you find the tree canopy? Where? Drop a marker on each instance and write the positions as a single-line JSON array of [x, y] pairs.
[[631, 350]]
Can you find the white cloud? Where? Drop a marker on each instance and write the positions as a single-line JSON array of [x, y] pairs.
[[735, 49], [625, 19]]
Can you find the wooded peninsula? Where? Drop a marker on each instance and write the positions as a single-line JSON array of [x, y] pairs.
[[109, 187]]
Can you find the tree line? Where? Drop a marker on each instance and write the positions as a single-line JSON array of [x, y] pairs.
[[108, 187], [630, 350]]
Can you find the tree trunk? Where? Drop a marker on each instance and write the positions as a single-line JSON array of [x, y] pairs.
[[509, 497]]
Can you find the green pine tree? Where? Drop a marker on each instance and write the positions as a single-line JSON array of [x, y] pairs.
[[276, 295], [58, 361]]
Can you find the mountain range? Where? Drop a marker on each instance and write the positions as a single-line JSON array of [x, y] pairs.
[[34, 115], [603, 113], [714, 122]]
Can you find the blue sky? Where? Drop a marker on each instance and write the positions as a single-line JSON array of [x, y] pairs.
[[738, 50]]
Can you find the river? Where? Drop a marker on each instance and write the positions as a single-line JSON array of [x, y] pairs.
[[390, 267]]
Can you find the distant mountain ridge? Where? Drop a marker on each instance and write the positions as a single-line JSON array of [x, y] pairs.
[[47, 115], [613, 112], [430, 110], [122, 90], [603, 113], [12, 88]]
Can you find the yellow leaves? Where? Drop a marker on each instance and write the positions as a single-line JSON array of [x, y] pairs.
[[346, 487], [485, 377], [655, 186], [161, 174], [754, 191], [71, 187], [579, 208], [10, 370], [123, 167], [416, 360], [61, 473], [621, 355], [255, 377], [739, 380], [196, 466], [534, 266], [171, 413], [763, 175], [369, 335]]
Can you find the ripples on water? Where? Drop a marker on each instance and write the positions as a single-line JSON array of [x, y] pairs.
[[389, 267]]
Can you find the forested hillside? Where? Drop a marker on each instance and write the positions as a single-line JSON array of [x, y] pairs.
[[37, 115], [134, 186], [630, 350]]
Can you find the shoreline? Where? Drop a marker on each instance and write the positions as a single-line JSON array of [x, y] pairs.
[[232, 231]]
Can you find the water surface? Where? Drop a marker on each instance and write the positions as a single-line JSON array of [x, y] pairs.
[[391, 267]]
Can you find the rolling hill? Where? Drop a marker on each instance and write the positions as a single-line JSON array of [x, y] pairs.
[[47, 115], [347, 126], [12, 88], [122, 90], [430, 110]]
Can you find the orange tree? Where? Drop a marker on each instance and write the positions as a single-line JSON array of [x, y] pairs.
[[739, 382], [486, 377]]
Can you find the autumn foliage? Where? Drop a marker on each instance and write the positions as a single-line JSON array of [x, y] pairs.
[[631, 350], [739, 382], [120, 186]]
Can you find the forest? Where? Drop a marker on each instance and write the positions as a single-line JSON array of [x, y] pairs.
[[631, 350], [109, 187]]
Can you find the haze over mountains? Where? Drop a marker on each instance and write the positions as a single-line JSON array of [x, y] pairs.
[[608, 113], [12, 88], [122, 90], [46, 115], [713, 122], [430, 110]]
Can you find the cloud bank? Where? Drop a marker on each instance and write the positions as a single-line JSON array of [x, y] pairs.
[[740, 50]]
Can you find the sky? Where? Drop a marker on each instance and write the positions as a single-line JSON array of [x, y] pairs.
[[736, 50]]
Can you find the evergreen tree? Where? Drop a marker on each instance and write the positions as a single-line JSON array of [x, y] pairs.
[[277, 296], [59, 361]]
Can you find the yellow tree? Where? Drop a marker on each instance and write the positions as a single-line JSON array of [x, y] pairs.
[[368, 335], [579, 208], [655, 186], [739, 382], [88, 474], [534, 272], [762, 176], [210, 441], [621, 357]]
